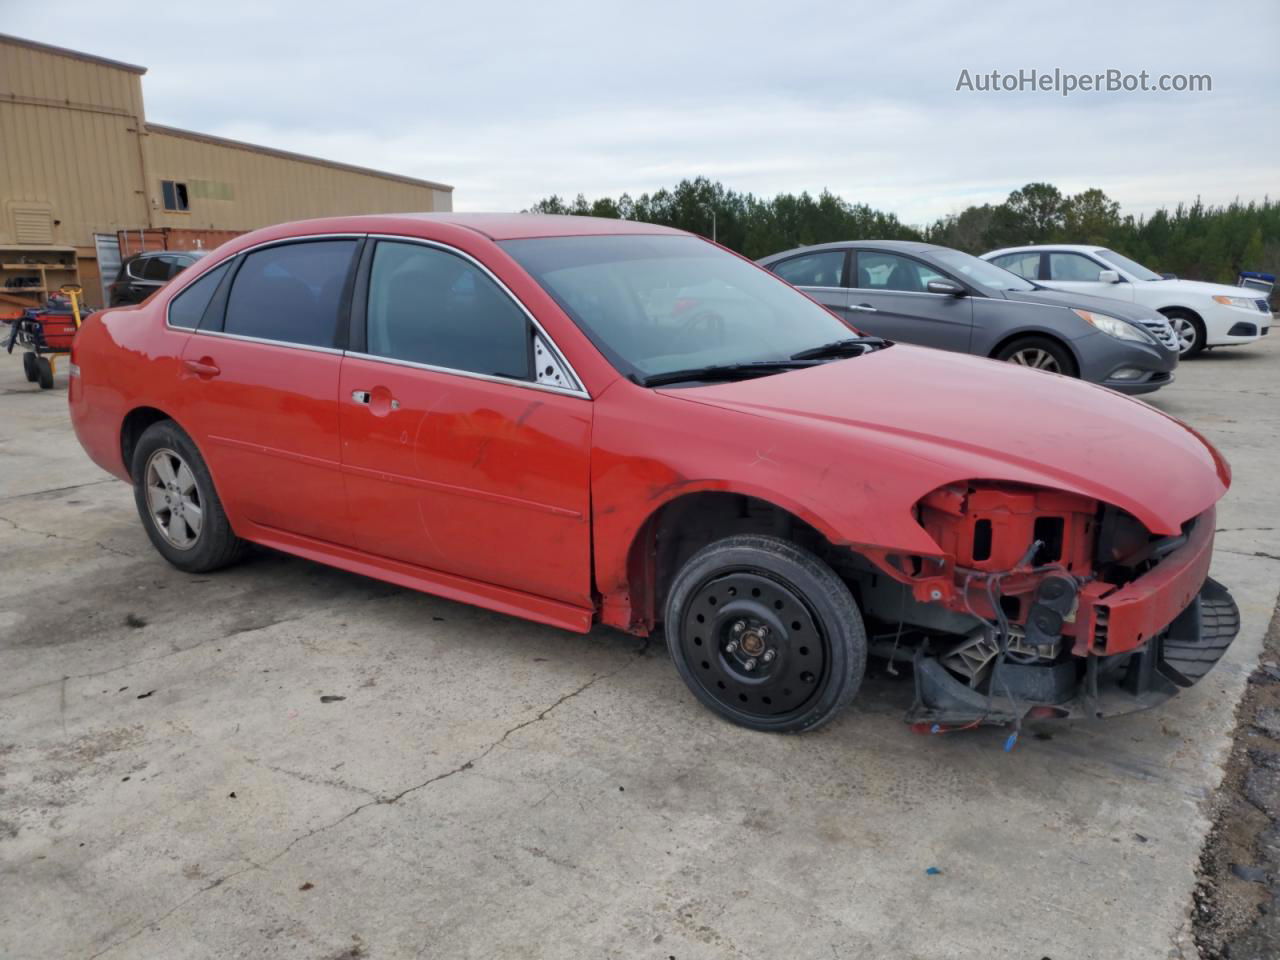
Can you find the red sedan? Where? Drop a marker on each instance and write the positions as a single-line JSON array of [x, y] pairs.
[[588, 421]]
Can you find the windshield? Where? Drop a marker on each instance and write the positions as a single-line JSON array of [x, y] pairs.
[[1137, 270], [981, 272], [655, 305]]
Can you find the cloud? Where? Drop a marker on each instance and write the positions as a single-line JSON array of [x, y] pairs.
[[512, 102]]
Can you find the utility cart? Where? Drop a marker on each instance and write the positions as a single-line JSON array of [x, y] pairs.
[[45, 332]]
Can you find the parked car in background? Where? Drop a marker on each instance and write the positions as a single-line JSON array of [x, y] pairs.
[[938, 297], [1203, 314], [144, 273], [586, 421]]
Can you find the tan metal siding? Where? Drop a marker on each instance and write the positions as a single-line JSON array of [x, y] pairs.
[[85, 165], [50, 77], [266, 189]]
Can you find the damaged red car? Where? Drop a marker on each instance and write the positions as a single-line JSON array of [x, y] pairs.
[[590, 422]]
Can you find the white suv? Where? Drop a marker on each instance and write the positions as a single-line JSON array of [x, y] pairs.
[[1202, 314]]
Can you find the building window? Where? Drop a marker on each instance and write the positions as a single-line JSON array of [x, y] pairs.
[[175, 195]]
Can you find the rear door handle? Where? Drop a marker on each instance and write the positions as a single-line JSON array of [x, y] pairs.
[[204, 367], [361, 396], [864, 307]]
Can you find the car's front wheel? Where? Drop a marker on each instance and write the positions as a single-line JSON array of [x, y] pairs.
[[1039, 353], [177, 502], [1189, 329], [765, 634]]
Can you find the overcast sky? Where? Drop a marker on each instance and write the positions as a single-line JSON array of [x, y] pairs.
[[510, 102]]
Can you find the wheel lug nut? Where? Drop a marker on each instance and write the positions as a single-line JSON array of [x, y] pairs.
[[750, 664], [739, 626], [768, 656], [731, 646]]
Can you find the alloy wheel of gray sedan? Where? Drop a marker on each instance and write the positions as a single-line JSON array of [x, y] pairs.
[[1035, 357], [174, 499], [1186, 332]]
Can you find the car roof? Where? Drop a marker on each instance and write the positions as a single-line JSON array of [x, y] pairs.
[[905, 246], [1028, 248], [495, 226], [196, 254]]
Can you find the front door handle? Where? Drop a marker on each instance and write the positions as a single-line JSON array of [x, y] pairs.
[[204, 367], [379, 400], [864, 307]]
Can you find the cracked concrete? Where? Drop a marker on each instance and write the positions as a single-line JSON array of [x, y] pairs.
[[492, 788]]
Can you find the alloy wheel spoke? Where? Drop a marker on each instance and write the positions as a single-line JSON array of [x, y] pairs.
[[164, 470], [193, 515], [185, 480]]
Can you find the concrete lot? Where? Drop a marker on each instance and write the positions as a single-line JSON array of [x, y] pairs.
[[173, 785]]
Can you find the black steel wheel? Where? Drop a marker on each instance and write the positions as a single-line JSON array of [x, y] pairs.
[[29, 367], [765, 634]]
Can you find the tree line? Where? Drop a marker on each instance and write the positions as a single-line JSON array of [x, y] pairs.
[[1192, 240]]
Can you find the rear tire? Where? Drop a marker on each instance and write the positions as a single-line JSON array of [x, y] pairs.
[[178, 504], [765, 634], [44, 373], [29, 367], [1039, 353], [1189, 329]]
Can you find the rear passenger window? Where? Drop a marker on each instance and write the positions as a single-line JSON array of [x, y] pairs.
[[1025, 265], [186, 309], [155, 268], [291, 293], [814, 270], [429, 306]]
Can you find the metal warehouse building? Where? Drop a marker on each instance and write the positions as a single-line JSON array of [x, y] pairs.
[[85, 180]]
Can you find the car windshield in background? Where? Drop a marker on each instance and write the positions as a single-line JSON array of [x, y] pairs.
[[983, 273], [1129, 266], [654, 305]]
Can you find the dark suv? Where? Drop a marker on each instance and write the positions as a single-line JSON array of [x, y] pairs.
[[145, 273]]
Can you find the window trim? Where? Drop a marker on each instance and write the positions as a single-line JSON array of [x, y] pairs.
[[1042, 263], [220, 296], [218, 288], [1047, 254], [356, 301], [359, 323], [185, 189], [944, 274], [844, 270]]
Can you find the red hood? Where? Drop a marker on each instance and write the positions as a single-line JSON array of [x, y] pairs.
[[931, 417]]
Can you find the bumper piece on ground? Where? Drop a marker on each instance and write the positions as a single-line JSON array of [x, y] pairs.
[[1094, 686]]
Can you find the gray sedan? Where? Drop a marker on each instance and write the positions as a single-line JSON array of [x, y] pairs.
[[939, 297]]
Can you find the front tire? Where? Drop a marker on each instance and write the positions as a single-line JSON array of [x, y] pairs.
[[29, 367], [1189, 329], [179, 507], [1039, 353], [765, 634]]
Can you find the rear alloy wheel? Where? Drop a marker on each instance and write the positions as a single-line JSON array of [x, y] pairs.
[[765, 634], [1189, 330], [1039, 353], [178, 504]]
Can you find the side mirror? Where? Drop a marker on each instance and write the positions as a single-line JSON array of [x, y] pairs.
[[1108, 276], [945, 287]]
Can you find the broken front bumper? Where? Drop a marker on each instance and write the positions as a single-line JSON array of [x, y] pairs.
[[1091, 686]]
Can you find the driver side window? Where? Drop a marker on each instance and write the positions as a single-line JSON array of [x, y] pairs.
[[1072, 266]]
